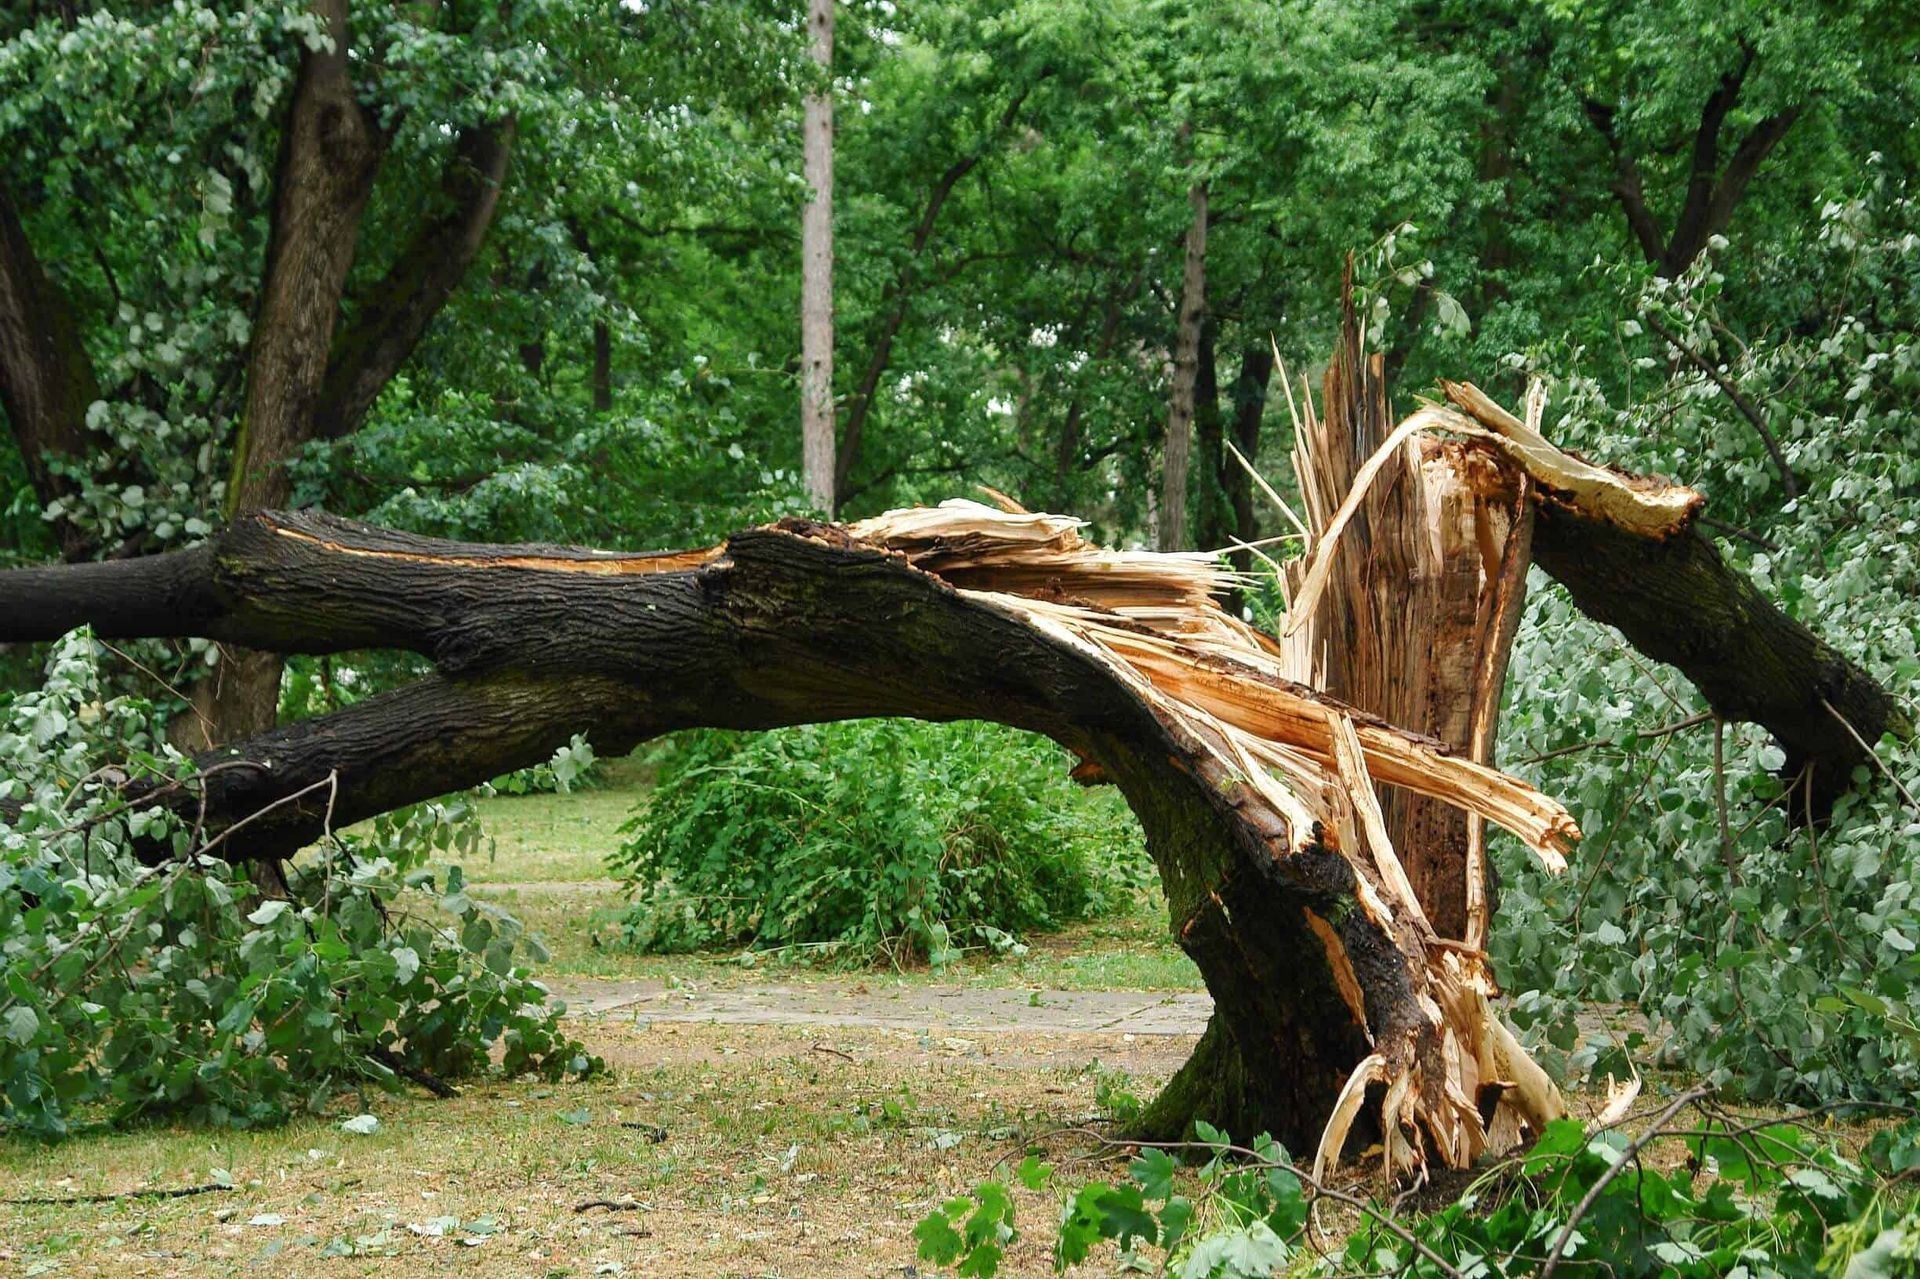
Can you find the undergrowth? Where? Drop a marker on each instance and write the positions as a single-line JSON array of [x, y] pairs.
[[870, 841]]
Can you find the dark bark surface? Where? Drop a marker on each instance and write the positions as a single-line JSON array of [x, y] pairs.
[[1249, 411], [1677, 600], [46, 379]]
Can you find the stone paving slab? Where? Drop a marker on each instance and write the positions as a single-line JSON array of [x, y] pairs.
[[904, 1008]]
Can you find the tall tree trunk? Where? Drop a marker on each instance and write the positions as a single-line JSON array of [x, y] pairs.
[[1186, 369], [1249, 411], [328, 158], [47, 381], [1212, 517], [816, 273], [602, 367]]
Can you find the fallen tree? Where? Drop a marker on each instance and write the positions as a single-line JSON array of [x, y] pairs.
[[1338, 930]]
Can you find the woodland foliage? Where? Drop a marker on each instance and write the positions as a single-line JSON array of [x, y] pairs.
[[1777, 958]]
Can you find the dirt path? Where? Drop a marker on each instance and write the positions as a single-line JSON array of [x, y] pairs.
[[824, 1002]]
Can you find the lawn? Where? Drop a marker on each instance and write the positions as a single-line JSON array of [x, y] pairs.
[[711, 1150]]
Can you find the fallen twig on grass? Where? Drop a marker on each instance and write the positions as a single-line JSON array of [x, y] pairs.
[[613, 1205], [158, 1192]]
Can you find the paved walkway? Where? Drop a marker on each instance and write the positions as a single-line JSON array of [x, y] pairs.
[[914, 1007]]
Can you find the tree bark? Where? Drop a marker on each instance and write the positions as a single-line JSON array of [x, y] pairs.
[[816, 274], [47, 381], [1186, 363], [327, 163], [328, 159], [1212, 518]]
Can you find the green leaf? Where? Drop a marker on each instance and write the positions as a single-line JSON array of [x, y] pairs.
[[22, 1024], [1153, 1171]]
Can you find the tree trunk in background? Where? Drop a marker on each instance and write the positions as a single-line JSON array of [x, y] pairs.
[[328, 159], [392, 315], [1212, 517], [1186, 361], [816, 274], [1249, 410], [1712, 192], [47, 383], [602, 367]]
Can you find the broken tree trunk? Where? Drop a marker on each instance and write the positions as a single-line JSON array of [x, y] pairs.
[[1240, 777], [1407, 612]]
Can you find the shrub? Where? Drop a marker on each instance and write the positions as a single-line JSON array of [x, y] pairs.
[[873, 839], [132, 991]]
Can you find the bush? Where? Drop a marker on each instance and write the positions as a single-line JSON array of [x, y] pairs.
[[132, 991], [871, 840]]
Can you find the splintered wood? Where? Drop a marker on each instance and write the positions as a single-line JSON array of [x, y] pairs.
[[1405, 604], [1152, 620]]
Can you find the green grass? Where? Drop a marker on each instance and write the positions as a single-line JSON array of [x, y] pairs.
[[549, 870]]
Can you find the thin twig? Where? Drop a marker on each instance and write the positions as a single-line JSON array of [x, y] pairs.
[[406, 1070], [1735, 530], [1747, 408], [613, 1205], [158, 1192], [1873, 755], [1663, 731], [328, 781]]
